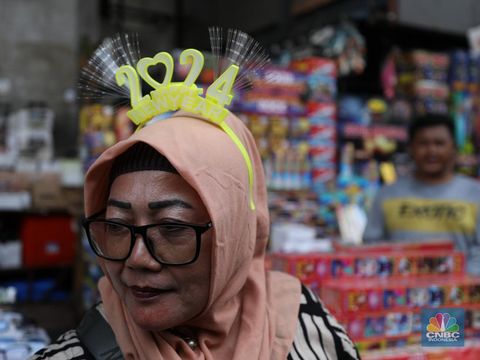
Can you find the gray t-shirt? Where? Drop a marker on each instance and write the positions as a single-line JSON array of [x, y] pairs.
[[409, 210]]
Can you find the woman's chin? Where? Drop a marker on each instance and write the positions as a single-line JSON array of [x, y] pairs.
[[153, 317], [152, 322]]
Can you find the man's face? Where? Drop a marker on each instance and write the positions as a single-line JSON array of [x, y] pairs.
[[433, 151]]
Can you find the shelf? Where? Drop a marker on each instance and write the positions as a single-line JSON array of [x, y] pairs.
[[355, 131], [36, 270], [32, 211], [363, 313], [15, 201], [469, 332]]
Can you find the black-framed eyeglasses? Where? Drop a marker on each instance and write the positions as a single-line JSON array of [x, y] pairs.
[[169, 243]]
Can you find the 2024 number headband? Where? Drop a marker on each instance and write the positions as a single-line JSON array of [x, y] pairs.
[[241, 50]]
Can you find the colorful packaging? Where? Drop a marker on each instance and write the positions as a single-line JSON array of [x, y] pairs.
[[345, 298], [374, 265]]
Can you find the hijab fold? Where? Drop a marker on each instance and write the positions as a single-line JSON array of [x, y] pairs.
[[251, 314]]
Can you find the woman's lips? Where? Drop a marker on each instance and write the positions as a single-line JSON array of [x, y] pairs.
[[147, 293]]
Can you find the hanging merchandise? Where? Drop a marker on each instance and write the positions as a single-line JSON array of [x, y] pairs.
[[342, 43], [388, 75], [465, 109], [422, 79], [374, 137], [427, 82]]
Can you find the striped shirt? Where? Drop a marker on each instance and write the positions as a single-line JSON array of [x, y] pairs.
[[318, 337]]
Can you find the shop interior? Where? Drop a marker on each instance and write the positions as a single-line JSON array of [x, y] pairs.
[[330, 115]]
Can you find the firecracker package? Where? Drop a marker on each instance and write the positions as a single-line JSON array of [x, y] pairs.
[[471, 351], [292, 116], [379, 313], [314, 268], [321, 79], [377, 292], [425, 245], [321, 76], [350, 296]]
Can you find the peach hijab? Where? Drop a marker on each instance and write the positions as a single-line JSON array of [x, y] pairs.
[[251, 314]]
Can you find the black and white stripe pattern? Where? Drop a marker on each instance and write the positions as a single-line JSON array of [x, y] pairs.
[[66, 347], [319, 336]]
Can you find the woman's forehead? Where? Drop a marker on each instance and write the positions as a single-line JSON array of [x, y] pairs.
[[154, 188], [151, 182]]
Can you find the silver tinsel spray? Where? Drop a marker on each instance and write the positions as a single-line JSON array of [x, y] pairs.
[[239, 49], [97, 78]]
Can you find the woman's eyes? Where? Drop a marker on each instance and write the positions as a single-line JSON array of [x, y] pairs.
[[173, 228], [119, 220], [115, 228]]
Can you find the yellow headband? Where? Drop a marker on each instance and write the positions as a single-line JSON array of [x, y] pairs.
[[168, 96]]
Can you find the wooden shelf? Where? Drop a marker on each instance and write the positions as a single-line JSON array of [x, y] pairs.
[[37, 271]]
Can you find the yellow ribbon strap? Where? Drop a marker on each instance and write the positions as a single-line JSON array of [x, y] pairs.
[[246, 157]]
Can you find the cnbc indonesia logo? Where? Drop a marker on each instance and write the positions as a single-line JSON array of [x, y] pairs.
[[442, 329], [443, 326]]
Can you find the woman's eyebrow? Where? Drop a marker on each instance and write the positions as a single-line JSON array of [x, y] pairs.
[[162, 204], [118, 203]]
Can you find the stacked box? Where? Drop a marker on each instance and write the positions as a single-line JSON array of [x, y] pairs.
[[378, 291], [471, 351], [321, 79], [427, 245], [274, 112], [314, 268], [350, 298]]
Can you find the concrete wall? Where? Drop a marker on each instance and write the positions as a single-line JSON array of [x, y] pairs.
[[447, 15], [38, 42], [155, 23], [246, 15]]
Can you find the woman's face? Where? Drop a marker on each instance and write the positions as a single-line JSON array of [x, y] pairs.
[[157, 296]]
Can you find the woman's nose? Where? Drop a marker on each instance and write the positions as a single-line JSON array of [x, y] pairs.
[[140, 257]]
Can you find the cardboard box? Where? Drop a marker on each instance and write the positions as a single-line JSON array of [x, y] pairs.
[[73, 197], [47, 192], [11, 181]]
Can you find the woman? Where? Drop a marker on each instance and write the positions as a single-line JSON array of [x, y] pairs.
[[183, 254]]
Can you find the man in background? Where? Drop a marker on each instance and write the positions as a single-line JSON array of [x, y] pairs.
[[433, 203]]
